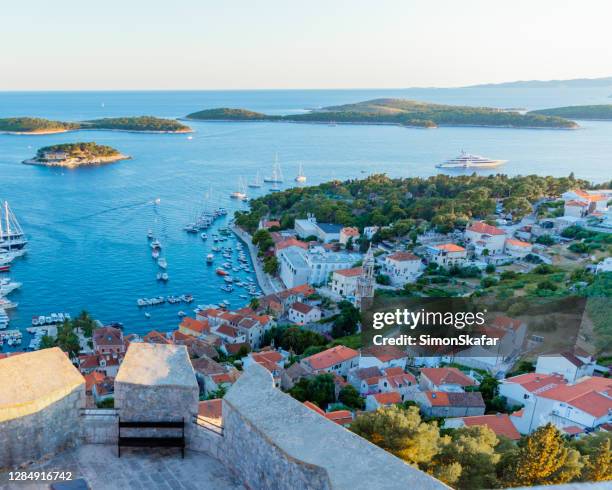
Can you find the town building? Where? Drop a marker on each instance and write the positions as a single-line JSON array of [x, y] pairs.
[[402, 268], [383, 357], [326, 232], [108, 340], [450, 404], [191, 326], [448, 379], [485, 239], [500, 423], [447, 255], [568, 365], [518, 248], [303, 314], [347, 233], [579, 203], [344, 282], [338, 360], [380, 400]]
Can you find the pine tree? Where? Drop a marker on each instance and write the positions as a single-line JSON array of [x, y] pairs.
[[543, 459], [599, 465]]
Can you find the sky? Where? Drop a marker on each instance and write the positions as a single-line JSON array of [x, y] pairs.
[[267, 44]]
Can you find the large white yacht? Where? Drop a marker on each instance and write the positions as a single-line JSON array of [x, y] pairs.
[[467, 160], [12, 237]]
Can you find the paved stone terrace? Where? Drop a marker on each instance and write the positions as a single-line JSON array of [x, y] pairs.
[[142, 468]]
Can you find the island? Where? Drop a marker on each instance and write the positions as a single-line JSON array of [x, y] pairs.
[[399, 112], [34, 125], [568, 83], [140, 124], [74, 155], [601, 112]]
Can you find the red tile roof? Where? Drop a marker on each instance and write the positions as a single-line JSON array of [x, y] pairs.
[[446, 375], [331, 357], [388, 398], [580, 204], [403, 257], [401, 380], [270, 356], [355, 271], [506, 322], [517, 243], [228, 331], [234, 349], [350, 231], [211, 409], [302, 307], [107, 336], [537, 383], [199, 326], [573, 430], [384, 353], [291, 242], [444, 399], [499, 423], [588, 395], [314, 407], [341, 417], [450, 247], [92, 379], [485, 229]]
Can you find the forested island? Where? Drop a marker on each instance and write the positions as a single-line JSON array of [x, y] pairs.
[[442, 202], [76, 155], [145, 124], [595, 112], [34, 125], [399, 112]]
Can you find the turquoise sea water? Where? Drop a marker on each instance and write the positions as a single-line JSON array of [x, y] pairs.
[[87, 227]]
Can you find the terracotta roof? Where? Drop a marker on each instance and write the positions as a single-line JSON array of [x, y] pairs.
[[270, 356], [92, 379], [234, 349], [228, 331], [384, 353], [537, 383], [394, 371], [106, 386], [581, 204], [211, 409], [446, 375], [331, 357], [271, 223], [573, 430], [450, 247], [506, 322], [302, 308], [572, 358], [341, 417], [350, 231], [206, 366], [365, 373], [354, 271], [401, 380], [402, 257], [444, 399], [387, 398], [107, 336], [485, 229], [88, 361], [155, 337], [314, 407], [517, 243], [499, 423], [588, 395], [194, 325], [589, 197], [291, 242]]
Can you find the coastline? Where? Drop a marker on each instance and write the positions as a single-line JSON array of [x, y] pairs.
[[75, 164], [146, 131], [337, 123]]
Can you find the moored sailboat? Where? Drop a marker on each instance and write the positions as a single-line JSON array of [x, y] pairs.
[[12, 236]]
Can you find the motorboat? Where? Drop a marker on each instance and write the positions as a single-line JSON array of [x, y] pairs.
[[162, 263]]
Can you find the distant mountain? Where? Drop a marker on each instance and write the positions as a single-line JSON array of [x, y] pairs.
[[399, 112], [575, 83]]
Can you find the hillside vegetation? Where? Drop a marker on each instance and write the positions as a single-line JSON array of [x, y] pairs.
[[441, 200], [79, 150], [34, 125], [602, 111], [399, 112]]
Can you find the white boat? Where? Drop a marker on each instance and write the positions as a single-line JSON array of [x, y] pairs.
[[12, 236], [467, 160], [277, 174], [300, 176], [210, 258], [256, 183], [155, 253], [204, 236], [150, 235], [241, 192], [165, 276], [6, 286], [162, 262], [156, 244]]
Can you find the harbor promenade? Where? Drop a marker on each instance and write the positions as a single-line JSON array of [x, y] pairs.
[[267, 284]]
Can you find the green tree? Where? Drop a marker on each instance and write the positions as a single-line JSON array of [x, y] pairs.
[[346, 321], [271, 265], [84, 323], [401, 432], [519, 207], [543, 459], [351, 398], [68, 340], [319, 389]]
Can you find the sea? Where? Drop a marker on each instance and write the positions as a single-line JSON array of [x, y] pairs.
[[87, 227]]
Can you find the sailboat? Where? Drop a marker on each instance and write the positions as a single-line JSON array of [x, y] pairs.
[[256, 183], [277, 174], [300, 176], [12, 236], [241, 192]]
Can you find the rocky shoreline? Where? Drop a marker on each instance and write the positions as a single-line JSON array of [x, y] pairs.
[[77, 162]]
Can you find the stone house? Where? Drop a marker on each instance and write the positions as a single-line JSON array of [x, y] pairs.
[[338, 360], [303, 314], [450, 404], [402, 268]]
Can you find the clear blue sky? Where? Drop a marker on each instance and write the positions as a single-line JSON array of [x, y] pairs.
[[234, 44]]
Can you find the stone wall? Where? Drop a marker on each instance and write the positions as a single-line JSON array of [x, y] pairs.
[[99, 426], [272, 441], [42, 433]]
